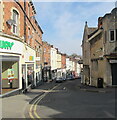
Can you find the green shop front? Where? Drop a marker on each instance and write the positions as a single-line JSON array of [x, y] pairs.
[[10, 54]]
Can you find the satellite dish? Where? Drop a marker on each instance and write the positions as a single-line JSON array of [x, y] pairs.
[[10, 22]]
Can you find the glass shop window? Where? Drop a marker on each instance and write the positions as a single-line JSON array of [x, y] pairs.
[[10, 74]]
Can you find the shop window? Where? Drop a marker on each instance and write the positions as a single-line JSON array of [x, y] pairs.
[[9, 75], [15, 19]]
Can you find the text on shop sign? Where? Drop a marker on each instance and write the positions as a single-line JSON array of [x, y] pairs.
[[6, 44]]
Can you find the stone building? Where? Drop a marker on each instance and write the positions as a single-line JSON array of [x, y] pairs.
[[103, 51], [86, 53]]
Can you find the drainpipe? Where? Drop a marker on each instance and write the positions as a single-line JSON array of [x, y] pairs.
[[24, 21]]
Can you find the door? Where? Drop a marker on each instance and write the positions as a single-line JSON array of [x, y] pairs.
[[0, 75], [114, 73], [23, 76]]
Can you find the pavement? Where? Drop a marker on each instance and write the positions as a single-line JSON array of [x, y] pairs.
[[88, 88], [14, 106]]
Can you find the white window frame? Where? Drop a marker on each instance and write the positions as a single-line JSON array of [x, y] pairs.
[[114, 35], [28, 36], [15, 24]]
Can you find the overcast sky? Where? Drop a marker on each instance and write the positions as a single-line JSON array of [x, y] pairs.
[[63, 22]]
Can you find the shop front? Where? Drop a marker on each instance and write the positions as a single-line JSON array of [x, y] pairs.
[[10, 53], [113, 63], [46, 73], [28, 68]]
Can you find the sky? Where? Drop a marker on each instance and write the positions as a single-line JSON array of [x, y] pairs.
[[63, 22]]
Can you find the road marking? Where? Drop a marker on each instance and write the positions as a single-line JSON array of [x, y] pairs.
[[33, 107], [45, 91], [109, 114]]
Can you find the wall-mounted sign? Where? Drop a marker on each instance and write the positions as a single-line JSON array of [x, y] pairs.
[[37, 58], [113, 61], [29, 54], [6, 44], [31, 58]]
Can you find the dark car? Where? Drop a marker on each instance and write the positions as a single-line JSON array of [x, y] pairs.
[[70, 77]]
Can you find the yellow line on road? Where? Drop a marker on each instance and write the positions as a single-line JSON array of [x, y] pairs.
[[34, 105]]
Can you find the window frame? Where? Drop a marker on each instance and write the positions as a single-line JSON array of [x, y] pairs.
[[114, 35], [15, 25]]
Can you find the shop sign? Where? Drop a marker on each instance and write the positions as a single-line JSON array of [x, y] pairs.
[[29, 55], [6, 44], [31, 58], [113, 61], [37, 58]]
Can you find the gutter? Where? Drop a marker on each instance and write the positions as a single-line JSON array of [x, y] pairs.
[[96, 34]]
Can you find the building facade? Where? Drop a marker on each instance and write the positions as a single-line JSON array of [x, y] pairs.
[[18, 30], [103, 51], [53, 55], [86, 54], [47, 61]]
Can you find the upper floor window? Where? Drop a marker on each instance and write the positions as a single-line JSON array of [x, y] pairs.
[[44, 49], [28, 10], [113, 35], [15, 19]]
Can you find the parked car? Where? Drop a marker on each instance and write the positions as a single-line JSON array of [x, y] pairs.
[[59, 79], [70, 77]]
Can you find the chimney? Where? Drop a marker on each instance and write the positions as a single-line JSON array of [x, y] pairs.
[[99, 22], [52, 46]]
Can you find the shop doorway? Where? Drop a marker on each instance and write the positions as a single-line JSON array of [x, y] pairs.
[[30, 74], [114, 73], [23, 77]]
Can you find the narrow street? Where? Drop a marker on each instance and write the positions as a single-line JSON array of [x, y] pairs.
[[67, 100]]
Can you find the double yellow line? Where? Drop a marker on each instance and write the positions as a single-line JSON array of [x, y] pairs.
[[33, 107]]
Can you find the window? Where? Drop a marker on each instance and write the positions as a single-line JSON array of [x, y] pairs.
[[113, 35], [15, 19], [44, 49], [116, 34], [29, 36], [28, 10]]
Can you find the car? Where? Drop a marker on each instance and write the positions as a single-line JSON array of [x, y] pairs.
[[70, 77], [59, 79]]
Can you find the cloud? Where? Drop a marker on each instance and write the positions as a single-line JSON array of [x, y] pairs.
[[63, 23]]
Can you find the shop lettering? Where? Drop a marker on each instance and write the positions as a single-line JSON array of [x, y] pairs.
[[6, 45]]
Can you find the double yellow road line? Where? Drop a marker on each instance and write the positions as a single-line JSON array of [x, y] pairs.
[[33, 107]]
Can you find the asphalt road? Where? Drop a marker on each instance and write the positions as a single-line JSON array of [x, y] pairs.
[[67, 100]]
